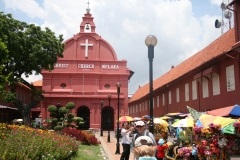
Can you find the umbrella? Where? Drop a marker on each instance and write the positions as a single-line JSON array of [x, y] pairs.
[[194, 113], [137, 118], [125, 119], [173, 114], [229, 129], [146, 116], [187, 122], [166, 117], [159, 121], [206, 119], [226, 111], [235, 111], [223, 121]]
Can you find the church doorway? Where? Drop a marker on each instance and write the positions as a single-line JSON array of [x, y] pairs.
[[84, 112], [108, 118]]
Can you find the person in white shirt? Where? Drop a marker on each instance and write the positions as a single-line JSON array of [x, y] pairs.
[[125, 132]]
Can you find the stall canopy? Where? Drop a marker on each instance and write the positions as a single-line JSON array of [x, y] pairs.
[[187, 122], [207, 119], [226, 111]]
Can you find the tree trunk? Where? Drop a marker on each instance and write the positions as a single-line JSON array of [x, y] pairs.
[[27, 120]]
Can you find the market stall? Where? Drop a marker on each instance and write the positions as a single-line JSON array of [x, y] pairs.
[[214, 138], [217, 140], [160, 129]]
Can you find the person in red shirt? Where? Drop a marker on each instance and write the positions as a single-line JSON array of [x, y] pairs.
[[161, 146]]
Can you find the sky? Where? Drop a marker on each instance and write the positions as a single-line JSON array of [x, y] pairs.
[[182, 27]]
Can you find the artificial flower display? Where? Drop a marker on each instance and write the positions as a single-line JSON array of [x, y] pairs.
[[160, 131], [215, 129], [185, 152], [236, 124]]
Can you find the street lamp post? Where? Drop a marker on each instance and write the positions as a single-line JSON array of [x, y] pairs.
[[109, 99], [151, 42], [101, 131], [118, 85]]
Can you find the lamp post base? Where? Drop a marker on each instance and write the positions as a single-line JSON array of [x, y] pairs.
[[117, 148], [108, 138]]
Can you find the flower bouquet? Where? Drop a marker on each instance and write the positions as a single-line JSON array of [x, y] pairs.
[[197, 129], [185, 152], [236, 124], [206, 132], [215, 128]]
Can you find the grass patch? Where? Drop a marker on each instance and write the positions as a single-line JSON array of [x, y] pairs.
[[89, 152]]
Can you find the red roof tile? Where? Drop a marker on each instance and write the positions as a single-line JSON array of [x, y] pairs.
[[218, 47], [37, 83]]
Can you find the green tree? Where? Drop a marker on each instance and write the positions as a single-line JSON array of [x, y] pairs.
[[29, 48], [3, 57], [4, 93]]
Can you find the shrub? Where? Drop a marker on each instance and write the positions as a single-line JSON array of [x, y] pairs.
[[52, 108], [63, 115], [70, 105], [70, 115], [58, 128], [23, 142], [83, 136], [63, 110]]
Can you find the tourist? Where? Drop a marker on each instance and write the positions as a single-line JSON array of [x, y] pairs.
[[141, 131], [144, 148], [125, 132]]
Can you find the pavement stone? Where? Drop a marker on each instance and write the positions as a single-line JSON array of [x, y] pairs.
[[109, 148]]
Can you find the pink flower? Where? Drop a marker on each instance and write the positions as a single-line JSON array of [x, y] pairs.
[[236, 124], [185, 152], [207, 152]]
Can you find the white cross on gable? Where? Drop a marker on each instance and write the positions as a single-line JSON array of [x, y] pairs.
[[86, 44]]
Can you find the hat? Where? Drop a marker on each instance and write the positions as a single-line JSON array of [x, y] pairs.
[[143, 140], [161, 141], [139, 123]]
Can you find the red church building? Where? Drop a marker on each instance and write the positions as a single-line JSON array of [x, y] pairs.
[[87, 75]]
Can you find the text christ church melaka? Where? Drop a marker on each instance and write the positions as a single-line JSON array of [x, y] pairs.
[[86, 75]]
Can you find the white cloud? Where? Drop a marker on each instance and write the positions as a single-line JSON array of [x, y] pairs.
[[218, 2], [29, 7], [32, 78], [125, 25]]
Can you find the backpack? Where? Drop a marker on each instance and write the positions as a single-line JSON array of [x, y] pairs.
[[135, 136]]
